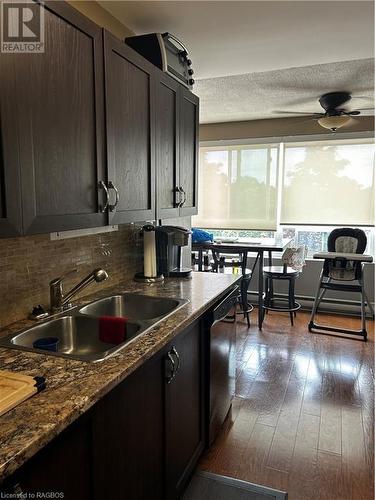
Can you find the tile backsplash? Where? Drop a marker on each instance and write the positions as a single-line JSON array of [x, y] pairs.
[[29, 263]]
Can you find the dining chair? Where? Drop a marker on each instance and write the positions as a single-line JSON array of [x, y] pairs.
[[293, 260], [235, 263]]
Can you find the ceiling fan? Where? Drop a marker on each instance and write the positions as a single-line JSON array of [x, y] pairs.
[[334, 116]]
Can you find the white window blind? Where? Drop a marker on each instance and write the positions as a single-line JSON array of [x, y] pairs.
[[238, 187], [328, 182]]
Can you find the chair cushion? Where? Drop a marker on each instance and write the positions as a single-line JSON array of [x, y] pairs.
[[277, 270]]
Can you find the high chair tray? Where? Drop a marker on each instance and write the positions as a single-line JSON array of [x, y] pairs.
[[348, 256]]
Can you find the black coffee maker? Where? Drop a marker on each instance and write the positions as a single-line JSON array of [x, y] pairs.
[[170, 241]]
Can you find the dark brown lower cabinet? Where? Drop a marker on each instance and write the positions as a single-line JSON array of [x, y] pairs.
[[184, 415], [148, 433], [63, 468], [140, 442], [128, 437]]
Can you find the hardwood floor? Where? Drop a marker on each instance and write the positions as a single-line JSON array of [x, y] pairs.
[[302, 418]]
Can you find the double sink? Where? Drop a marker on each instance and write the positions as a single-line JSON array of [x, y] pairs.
[[77, 331]]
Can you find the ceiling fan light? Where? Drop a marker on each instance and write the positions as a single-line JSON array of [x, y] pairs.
[[333, 122]]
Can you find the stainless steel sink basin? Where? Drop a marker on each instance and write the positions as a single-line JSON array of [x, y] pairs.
[[78, 338], [78, 329], [133, 306]]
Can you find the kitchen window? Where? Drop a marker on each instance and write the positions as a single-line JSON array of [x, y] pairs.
[[328, 182], [238, 187], [303, 189]]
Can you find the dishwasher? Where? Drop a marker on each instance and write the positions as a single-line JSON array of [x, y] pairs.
[[221, 367]]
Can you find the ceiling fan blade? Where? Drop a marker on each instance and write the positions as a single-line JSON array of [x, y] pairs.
[[301, 122], [350, 123], [297, 113], [304, 119], [367, 112]]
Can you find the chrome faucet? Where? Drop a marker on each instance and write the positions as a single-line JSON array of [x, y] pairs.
[[60, 301]]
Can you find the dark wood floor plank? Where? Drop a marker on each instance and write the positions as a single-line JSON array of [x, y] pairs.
[[303, 474], [303, 468], [358, 477], [312, 396], [307, 433], [254, 458], [234, 442], [368, 436], [330, 424], [329, 484], [282, 448]]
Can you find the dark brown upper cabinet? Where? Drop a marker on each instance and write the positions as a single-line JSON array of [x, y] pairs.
[[60, 121], [91, 133], [189, 127], [167, 116], [176, 133], [129, 81], [10, 195]]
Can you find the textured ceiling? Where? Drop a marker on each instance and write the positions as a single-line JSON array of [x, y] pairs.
[[259, 95], [231, 37], [252, 58]]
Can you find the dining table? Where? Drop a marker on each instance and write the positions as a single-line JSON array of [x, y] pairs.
[[258, 246]]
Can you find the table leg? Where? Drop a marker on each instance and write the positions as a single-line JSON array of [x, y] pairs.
[[270, 258], [244, 263], [200, 259], [260, 289]]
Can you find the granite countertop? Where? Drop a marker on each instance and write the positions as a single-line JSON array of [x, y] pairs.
[[74, 386]]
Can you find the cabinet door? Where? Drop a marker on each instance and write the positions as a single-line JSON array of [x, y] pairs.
[[10, 193], [62, 467], [130, 132], [184, 401], [60, 124], [166, 147], [189, 124], [128, 437]]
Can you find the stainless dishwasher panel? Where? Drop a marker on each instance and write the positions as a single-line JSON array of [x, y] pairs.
[[222, 361]]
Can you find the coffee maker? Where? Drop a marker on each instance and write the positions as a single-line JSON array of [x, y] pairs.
[[170, 241]]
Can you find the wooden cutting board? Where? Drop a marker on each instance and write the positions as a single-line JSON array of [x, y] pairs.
[[16, 388]]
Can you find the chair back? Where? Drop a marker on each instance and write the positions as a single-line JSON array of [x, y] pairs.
[[294, 257], [233, 258], [345, 240]]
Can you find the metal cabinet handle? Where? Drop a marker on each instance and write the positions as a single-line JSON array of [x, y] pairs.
[[181, 191], [184, 197], [178, 190], [170, 368], [174, 351], [112, 186], [101, 185]]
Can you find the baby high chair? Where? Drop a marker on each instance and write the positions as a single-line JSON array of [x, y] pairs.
[[343, 265]]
